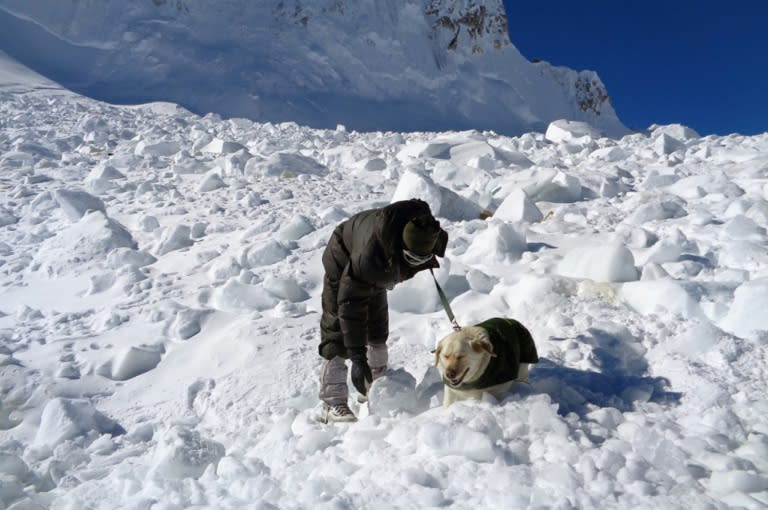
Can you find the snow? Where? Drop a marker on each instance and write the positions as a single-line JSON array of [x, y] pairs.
[[159, 331], [390, 65]]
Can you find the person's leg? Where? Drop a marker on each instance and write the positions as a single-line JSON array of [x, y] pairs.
[[333, 373], [334, 392], [333, 382]]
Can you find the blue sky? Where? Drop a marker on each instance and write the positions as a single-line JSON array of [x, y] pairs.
[[703, 64]]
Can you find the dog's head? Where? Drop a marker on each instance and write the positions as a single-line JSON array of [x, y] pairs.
[[463, 355]]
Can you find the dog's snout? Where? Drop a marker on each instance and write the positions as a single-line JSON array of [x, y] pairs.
[[451, 373]]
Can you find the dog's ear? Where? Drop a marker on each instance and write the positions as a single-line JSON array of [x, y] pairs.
[[481, 343], [437, 353]]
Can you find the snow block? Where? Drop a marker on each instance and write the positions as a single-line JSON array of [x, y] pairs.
[[561, 188], [677, 131], [183, 453], [297, 228], [7, 217], [211, 182], [174, 238], [442, 201], [610, 154], [285, 288], [224, 268], [263, 255], [90, 239], [517, 207], [120, 257], [393, 393], [237, 297], [218, 146], [285, 164], [652, 296], [187, 323], [571, 131], [654, 210], [500, 242], [133, 361], [65, 419], [75, 203], [665, 145], [601, 263], [159, 149], [456, 439], [746, 317]]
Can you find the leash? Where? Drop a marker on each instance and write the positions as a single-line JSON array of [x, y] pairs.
[[444, 301]]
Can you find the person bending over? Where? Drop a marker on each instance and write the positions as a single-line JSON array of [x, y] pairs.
[[367, 255]]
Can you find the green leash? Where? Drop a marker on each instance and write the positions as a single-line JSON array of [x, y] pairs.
[[444, 301]]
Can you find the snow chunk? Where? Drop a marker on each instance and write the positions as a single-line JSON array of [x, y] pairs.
[[224, 268], [285, 288], [211, 182], [76, 203], [187, 323], [571, 131], [726, 482], [610, 154], [661, 209], [263, 255], [174, 238], [218, 146], [602, 263], [743, 228], [442, 201], [159, 149], [101, 177], [120, 257], [393, 393], [652, 296], [134, 361], [91, 238], [7, 217], [333, 214], [517, 207], [677, 131], [237, 297], [500, 242], [665, 145], [560, 188], [747, 317], [64, 419], [286, 164], [297, 228], [183, 453], [456, 439]]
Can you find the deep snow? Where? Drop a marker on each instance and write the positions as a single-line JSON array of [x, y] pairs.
[[161, 285]]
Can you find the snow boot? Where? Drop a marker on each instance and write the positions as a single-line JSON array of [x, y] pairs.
[[334, 392], [337, 414]]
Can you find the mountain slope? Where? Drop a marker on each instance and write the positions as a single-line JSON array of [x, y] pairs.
[[370, 64]]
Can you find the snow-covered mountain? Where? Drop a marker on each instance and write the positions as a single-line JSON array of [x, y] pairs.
[[368, 64]]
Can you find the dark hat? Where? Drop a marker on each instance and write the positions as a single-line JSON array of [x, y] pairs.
[[420, 234]]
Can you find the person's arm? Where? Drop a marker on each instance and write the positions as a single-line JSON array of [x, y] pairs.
[[353, 300]]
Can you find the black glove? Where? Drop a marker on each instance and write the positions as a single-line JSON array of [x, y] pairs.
[[361, 372]]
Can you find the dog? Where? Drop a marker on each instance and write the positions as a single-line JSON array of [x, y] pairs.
[[486, 358]]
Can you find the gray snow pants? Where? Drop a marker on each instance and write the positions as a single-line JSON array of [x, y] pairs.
[[333, 374]]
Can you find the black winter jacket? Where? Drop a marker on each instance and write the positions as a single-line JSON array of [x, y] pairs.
[[364, 258]]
